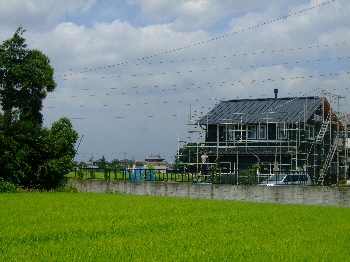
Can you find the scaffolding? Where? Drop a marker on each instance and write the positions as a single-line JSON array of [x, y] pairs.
[[320, 149]]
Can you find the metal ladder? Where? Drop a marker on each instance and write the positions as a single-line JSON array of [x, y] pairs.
[[328, 161], [323, 129], [319, 139]]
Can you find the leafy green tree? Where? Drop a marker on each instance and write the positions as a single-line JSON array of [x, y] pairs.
[[58, 154], [102, 163], [30, 155], [33, 156], [115, 164], [22, 148], [25, 78]]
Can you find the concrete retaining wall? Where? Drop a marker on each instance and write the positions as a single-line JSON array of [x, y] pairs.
[[287, 195]]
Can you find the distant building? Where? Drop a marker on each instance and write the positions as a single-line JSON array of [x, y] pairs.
[[127, 162], [157, 162], [154, 159]]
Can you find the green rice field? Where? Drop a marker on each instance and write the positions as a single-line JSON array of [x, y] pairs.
[[116, 227]]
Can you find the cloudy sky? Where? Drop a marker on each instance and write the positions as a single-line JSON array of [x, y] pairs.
[[131, 74]]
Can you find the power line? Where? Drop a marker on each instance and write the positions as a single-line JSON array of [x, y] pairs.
[[237, 82], [226, 68], [206, 41]]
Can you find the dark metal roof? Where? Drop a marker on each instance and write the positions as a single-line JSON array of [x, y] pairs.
[[272, 110]]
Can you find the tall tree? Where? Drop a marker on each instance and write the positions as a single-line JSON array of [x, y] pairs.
[[30, 155], [102, 163], [25, 78]]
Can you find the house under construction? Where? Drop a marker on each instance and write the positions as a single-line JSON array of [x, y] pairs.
[[302, 134]]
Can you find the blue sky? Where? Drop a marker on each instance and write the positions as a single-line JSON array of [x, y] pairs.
[[131, 74]]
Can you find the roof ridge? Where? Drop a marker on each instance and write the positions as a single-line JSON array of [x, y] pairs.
[[272, 98]]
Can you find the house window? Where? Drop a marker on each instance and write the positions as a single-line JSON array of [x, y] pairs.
[[251, 132], [311, 132], [282, 132], [226, 133], [262, 132], [317, 118], [231, 133]]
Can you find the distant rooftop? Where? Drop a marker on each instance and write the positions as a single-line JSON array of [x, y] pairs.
[[156, 158]]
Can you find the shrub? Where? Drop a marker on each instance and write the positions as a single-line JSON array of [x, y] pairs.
[[80, 173], [7, 187], [70, 188]]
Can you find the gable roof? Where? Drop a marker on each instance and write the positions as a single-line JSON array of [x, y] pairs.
[[272, 110]]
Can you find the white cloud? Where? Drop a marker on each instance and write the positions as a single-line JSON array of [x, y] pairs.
[[133, 85], [39, 14], [189, 15]]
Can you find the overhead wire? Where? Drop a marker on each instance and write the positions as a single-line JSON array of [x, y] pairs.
[[239, 82], [207, 41], [235, 55], [215, 57]]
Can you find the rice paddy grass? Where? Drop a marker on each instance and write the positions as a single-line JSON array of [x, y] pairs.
[[116, 227]]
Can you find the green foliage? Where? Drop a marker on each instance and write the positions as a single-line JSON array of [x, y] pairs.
[[115, 164], [80, 173], [115, 227], [251, 171], [25, 78], [21, 152], [30, 155], [150, 166], [106, 174], [37, 157], [7, 187], [214, 167], [187, 154], [70, 188], [102, 164]]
